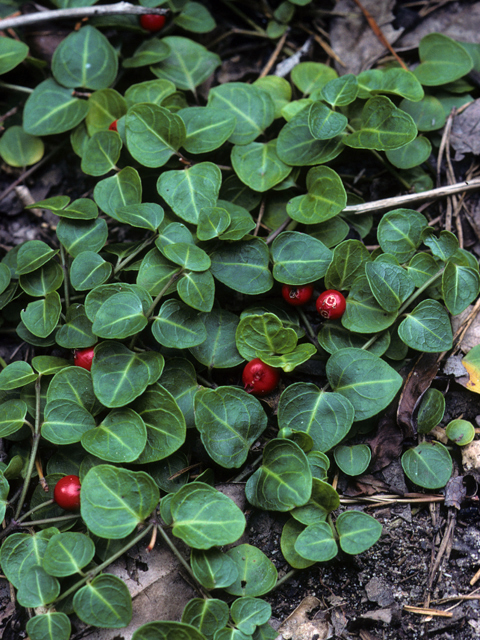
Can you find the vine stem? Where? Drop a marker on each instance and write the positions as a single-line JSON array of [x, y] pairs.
[[91, 574], [39, 506], [133, 255], [78, 12], [419, 291], [66, 281], [35, 443], [15, 87], [34, 523]]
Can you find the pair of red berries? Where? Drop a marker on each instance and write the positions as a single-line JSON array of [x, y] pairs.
[[330, 304], [67, 493]]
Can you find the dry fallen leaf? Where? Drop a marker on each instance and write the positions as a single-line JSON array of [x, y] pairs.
[[298, 626]]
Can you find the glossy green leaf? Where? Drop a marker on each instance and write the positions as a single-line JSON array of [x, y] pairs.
[[53, 625], [114, 501], [67, 553], [48, 365], [15, 375], [121, 190], [204, 517], [32, 255], [89, 270], [410, 155], [102, 152], [288, 361], [197, 289], [146, 215], [188, 191], [430, 411], [317, 543], [324, 123], [188, 65], [206, 615], [283, 481], [427, 328], [326, 197], [311, 76], [78, 235], [178, 326], [85, 58], [460, 287], [120, 437], [363, 313], [66, 422], [21, 551], [390, 284], [166, 427], [154, 91], [257, 335], [258, 165], [428, 114], [353, 460], [462, 432], [17, 148], [12, 416], [299, 258], [166, 631], [104, 106], [326, 417], [395, 81], [290, 532], [187, 255], [72, 384], [383, 126], [279, 89], [207, 128], [212, 222], [357, 531], [213, 568], [333, 337], [428, 465], [149, 52], [256, 573], [236, 194], [229, 421], [363, 378], [52, 109], [252, 108], [340, 91], [180, 379], [120, 316], [248, 613], [41, 317], [12, 53], [442, 60], [155, 272], [37, 588], [5, 277], [47, 278], [444, 246], [76, 333], [243, 266], [348, 262], [104, 602], [195, 17], [400, 233], [153, 134]]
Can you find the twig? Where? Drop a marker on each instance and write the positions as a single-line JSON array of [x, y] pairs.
[[426, 611], [274, 56], [79, 12]]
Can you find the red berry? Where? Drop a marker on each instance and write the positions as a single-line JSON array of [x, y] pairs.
[[331, 304], [260, 378], [297, 295], [67, 493], [83, 358], [152, 22], [113, 126]]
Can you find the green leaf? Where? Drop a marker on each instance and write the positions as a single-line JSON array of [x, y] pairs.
[[76, 333], [428, 465], [363, 313], [153, 134], [121, 190], [428, 114], [383, 126], [257, 335], [397, 81], [248, 613], [326, 197], [353, 460], [85, 58], [180, 379], [146, 215], [47, 278], [72, 384], [348, 262], [104, 602], [120, 437], [324, 500], [258, 165], [12, 416], [114, 501], [207, 128], [290, 532], [212, 568], [119, 375], [49, 626], [299, 258], [326, 417], [188, 191], [52, 109], [41, 317], [252, 108], [104, 106], [195, 17], [204, 517], [461, 432], [17, 148], [218, 350], [443, 247], [288, 361], [241, 222], [357, 531], [21, 551], [279, 90], [390, 284], [324, 123], [410, 155], [243, 266], [149, 52], [37, 588], [442, 60], [89, 270], [427, 328], [102, 152], [316, 543], [187, 255], [166, 631], [256, 573], [311, 76], [166, 427], [15, 375], [12, 53], [283, 481], [120, 316], [297, 146], [153, 91], [340, 91], [363, 378], [155, 272], [460, 287], [400, 233], [229, 421], [188, 65], [178, 326], [32, 255], [431, 410], [212, 222], [78, 235], [66, 422], [197, 289], [206, 615], [333, 337], [67, 553]]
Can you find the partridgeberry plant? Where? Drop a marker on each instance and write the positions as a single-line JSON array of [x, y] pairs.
[[232, 198]]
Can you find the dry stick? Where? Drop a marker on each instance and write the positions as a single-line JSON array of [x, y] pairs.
[[426, 611], [325, 46], [274, 55], [441, 551], [79, 12]]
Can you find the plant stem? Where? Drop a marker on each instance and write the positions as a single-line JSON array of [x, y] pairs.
[[66, 281], [173, 279], [307, 324], [39, 506], [419, 291], [34, 523], [245, 18], [129, 258], [285, 578], [35, 443], [91, 574], [248, 469], [15, 87]]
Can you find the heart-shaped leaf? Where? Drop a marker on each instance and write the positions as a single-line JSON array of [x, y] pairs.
[[104, 602]]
